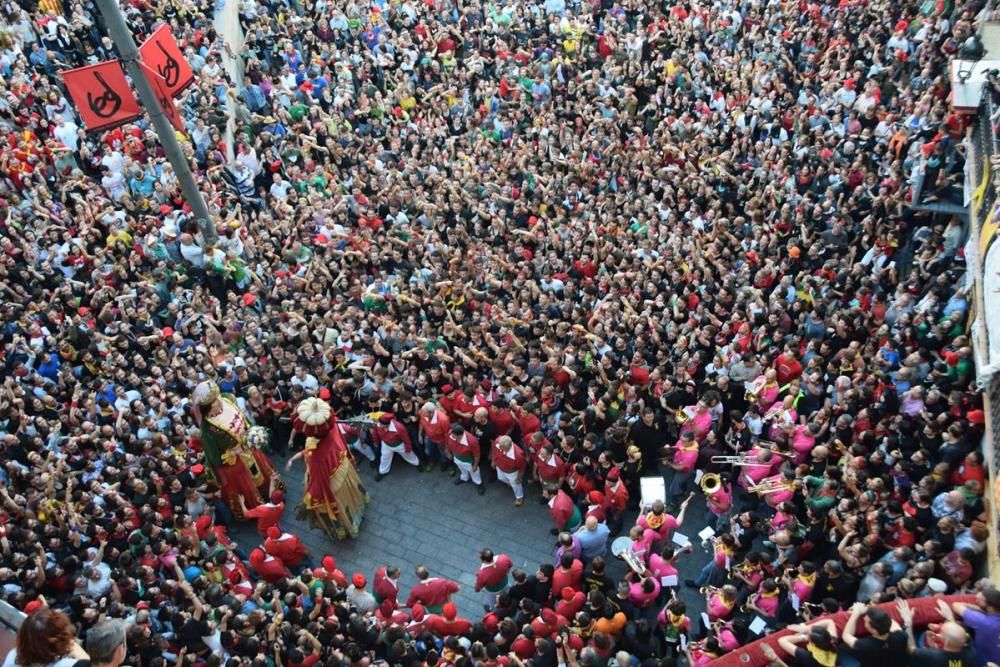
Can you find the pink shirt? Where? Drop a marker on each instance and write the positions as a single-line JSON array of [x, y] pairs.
[[669, 523], [802, 443], [720, 501], [716, 608], [686, 458], [660, 567], [768, 606], [641, 598]]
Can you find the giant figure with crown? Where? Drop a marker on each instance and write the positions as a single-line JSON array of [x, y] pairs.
[[232, 449]]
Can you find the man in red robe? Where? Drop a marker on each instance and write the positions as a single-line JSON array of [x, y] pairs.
[[464, 449], [431, 592], [564, 512], [268, 568], [435, 427], [386, 584], [392, 439], [328, 572], [449, 623], [286, 547], [509, 462], [492, 575], [267, 514]]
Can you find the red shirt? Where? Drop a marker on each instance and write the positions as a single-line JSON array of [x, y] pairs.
[[465, 446], [267, 515]]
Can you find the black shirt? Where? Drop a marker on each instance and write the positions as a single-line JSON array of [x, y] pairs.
[[889, 652]]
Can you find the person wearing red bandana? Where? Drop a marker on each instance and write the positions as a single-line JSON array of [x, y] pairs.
[[268, 568], [328, 572], [267, 514], [448, 623], [392, 440], [509, 462], [464, 449], [286, 547]]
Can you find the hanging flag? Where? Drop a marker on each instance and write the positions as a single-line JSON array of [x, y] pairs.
[[162, 93], [164, 57], [102, 95]]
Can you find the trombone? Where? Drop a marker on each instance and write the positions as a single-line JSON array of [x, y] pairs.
[[771, 486], [741, 460]]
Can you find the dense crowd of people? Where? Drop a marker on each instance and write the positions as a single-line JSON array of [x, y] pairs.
[[563, 246]]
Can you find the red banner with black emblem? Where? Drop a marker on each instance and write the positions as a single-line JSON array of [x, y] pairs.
[[102, 95], [163, 96], [164, 57]]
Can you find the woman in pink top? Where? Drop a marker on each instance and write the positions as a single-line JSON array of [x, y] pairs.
[[721, 603], [733, 635]]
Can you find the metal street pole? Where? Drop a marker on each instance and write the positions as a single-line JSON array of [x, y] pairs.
[[119, 33]]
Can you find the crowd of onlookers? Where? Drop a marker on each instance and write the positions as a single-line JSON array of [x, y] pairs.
[[614, 239]]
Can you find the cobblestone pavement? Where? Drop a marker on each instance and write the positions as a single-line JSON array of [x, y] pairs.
[[420, 518]]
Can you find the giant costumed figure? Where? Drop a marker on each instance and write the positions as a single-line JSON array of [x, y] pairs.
[[334, 498], [240, 468]]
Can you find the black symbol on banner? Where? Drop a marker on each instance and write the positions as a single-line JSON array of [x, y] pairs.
[[165, 104], [170, 70], [107, 103]]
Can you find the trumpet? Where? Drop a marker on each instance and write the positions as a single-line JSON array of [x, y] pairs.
[[740, 460], [708, 590], [745, 607], [681, 416]]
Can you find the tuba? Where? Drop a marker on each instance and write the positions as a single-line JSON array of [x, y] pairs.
[[710, 483]]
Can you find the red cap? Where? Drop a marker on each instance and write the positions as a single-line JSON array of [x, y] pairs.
[[449, 610], [568, 593], [358, 580], [486, 384], [324, 393], [976, 417], [447, 389], [32, 607], [277, 496], [273, 532], [329, 563], [197, 469], [167, 332], [165, 210], [613, 475], [595, 497], [385, 418], [950, 358], [549, 617], [82, 311], [249, 299]]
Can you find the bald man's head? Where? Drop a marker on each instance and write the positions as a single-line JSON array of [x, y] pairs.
[[591, 522], [954, 636]]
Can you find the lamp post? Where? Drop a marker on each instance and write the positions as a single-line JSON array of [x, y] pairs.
[[119, 33]]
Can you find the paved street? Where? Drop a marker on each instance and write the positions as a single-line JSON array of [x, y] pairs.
[[423, 518]]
